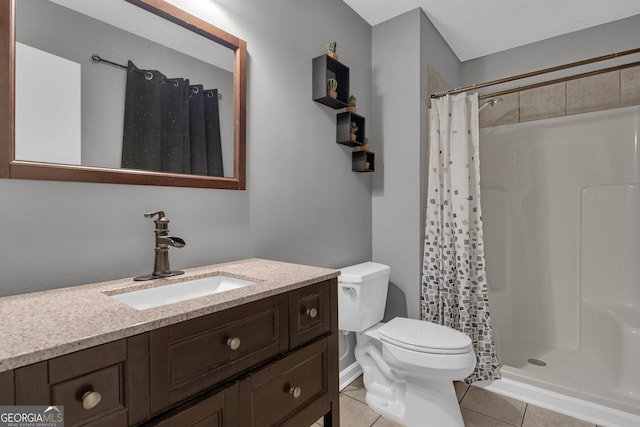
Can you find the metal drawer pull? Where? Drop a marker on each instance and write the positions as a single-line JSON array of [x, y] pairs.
[[312, 312], [295, 392], [91, 399], [233, 343]]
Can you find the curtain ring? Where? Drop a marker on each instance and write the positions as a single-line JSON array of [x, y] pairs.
[[173, 82], [210, 94], [194, 90], [148, 75]]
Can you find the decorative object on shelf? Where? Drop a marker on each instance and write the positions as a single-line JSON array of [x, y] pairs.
[[353, 131], [349, 125], [325, 68], [362, 161], [332, 87], [352, 104], [331, 50]]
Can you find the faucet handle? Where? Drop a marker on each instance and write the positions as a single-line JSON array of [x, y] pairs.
[[152, 214], [161, 222]]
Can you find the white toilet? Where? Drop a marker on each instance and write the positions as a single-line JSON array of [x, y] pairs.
[[408, 365]]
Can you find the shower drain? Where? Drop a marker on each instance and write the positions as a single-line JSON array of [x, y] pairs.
[[537, 362]]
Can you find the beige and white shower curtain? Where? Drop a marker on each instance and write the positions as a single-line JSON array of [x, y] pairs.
[[454, 289]]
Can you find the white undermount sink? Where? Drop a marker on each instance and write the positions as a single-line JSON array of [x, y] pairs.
[[169, 294]]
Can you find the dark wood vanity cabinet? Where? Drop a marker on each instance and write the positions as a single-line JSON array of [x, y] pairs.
[[272, 362], [279, 352]]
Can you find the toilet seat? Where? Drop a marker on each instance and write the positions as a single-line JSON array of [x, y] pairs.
[[424, 337]]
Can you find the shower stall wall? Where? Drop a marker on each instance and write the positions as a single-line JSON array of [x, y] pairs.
[[561, 210]]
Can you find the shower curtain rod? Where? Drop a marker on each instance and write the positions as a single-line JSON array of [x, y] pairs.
[[97, 59], [543, 71], [488, 95]]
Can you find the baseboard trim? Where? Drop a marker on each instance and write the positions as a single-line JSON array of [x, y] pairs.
[[349, 375]]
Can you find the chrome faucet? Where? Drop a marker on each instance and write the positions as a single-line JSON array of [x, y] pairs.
[[163, 241]]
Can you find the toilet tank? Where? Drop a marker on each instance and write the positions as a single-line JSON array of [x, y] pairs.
[[362, 295]]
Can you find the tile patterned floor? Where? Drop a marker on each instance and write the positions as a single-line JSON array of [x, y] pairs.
[[480, 408]]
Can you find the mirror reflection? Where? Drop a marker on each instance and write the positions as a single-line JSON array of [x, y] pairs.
[[159, 98]]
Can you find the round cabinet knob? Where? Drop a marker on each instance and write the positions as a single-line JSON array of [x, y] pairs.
[[91, 399], [312, 312], [295, 392], [233, 343]]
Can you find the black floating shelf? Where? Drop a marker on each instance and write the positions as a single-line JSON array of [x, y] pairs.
[[363, 161], [324, 68], [343, 129]]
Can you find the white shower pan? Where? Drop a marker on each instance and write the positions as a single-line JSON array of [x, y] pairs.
[[561, 210]]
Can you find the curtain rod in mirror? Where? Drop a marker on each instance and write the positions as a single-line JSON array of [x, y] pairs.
[[97, 59]]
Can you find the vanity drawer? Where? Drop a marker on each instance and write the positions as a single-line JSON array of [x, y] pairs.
[[291, 390], [96, 386], [217, 409], [107, 384], [191, 356], [310, 313]]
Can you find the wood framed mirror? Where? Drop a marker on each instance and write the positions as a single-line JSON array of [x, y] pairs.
[[17, 167]]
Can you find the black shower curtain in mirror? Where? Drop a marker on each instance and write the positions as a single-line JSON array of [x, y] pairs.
[[169, 125]]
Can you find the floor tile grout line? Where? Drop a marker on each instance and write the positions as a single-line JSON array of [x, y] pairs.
[[353, 398], [465, 393], [489, 416], [524, 414]]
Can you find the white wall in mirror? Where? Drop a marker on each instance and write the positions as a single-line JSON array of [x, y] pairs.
[[48, 107]]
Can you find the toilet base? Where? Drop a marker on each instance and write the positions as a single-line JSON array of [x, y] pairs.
[[436, 406], [415, 401]]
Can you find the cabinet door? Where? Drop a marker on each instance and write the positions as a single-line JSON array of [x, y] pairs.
[[310, 313], [98, 386], [217, 410], [192, 356], [292, 391]]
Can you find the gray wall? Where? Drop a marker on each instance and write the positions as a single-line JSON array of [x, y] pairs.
[[402, 49], [601, 40], [302, 204]]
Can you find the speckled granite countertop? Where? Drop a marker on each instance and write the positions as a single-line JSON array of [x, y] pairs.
[[42, 325]]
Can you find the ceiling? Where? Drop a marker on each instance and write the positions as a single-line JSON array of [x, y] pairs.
[[475, 28]]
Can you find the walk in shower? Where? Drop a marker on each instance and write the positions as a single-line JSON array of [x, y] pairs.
[[561, 210]]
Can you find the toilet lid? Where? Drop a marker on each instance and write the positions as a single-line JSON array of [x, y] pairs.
[[424, 337]]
